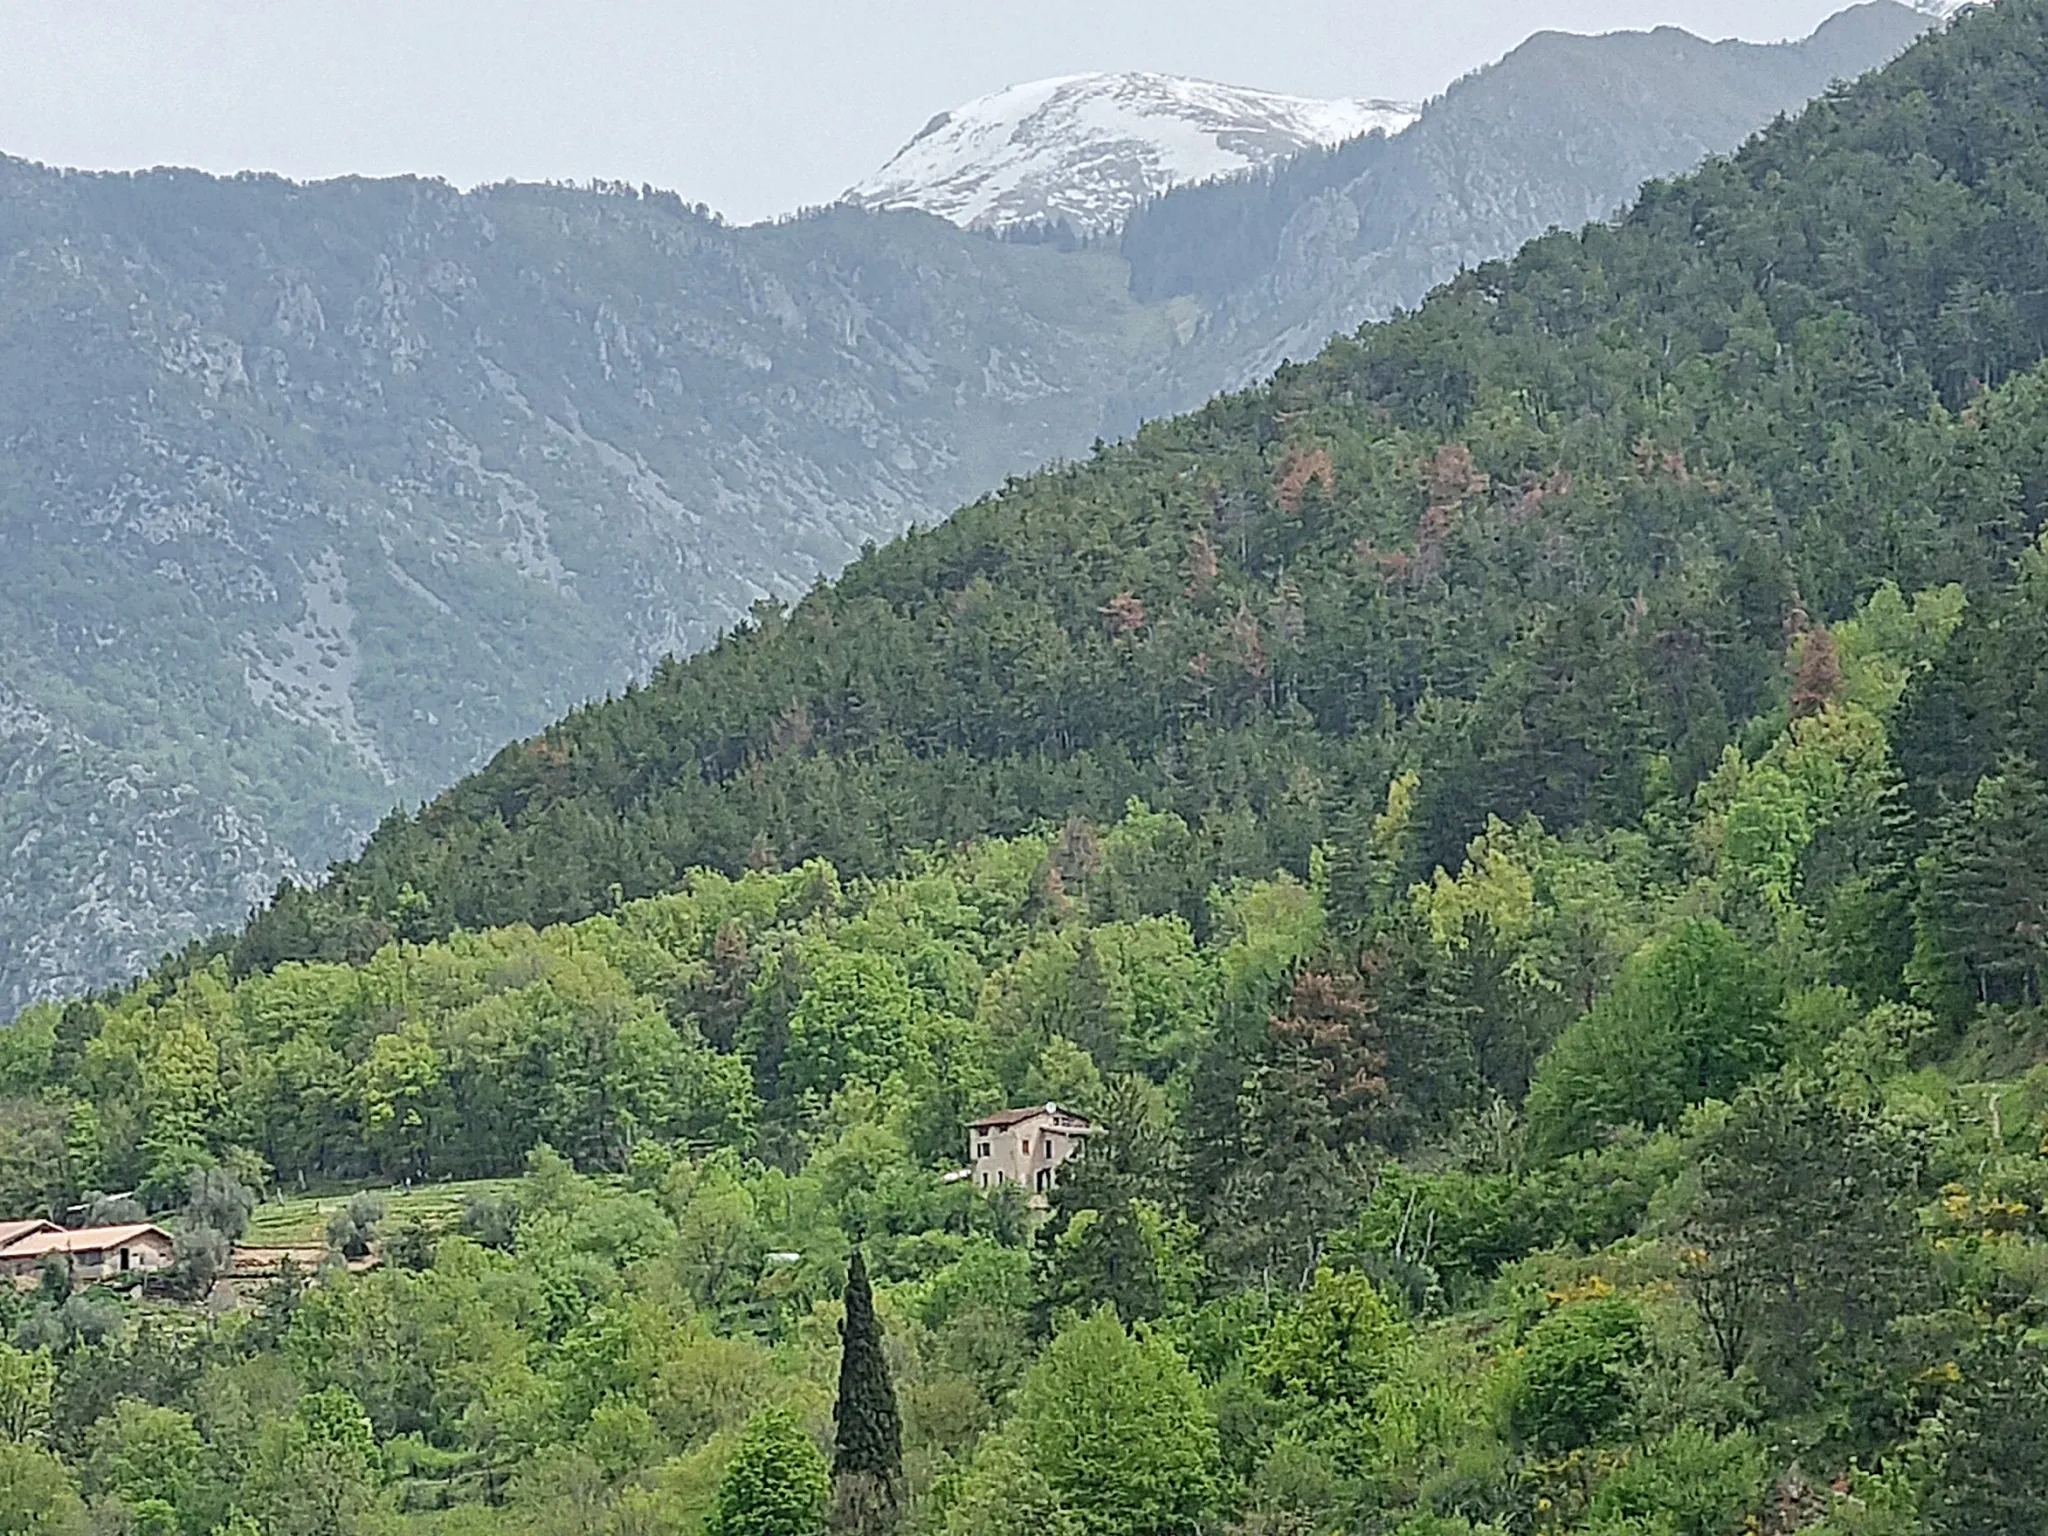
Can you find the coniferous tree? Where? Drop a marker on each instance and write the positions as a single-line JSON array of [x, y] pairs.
[[1306, 1109], [1096, 1247], [867, 1462], [1099, 1022], [1295, 1182], [1984, 902]]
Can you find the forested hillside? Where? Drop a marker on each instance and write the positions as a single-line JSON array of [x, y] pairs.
[[1525, 836], [1552, 526], [313, 496]]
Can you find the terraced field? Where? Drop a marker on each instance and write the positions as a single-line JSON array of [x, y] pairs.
[[301, 1222]]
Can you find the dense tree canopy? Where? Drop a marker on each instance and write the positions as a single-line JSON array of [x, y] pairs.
[[1523, 838]]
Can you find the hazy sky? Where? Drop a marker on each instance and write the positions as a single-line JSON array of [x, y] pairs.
[[753, 106]]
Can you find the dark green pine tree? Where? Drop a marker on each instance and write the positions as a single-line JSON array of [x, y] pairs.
[[867, 1463], [1984, 900]]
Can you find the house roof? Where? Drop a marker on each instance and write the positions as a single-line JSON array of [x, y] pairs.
[[14, 1231], [38, 1245], [1010, 1117]]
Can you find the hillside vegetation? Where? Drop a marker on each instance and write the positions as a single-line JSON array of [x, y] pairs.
[[314, 496], [1550, 526], [1525, 835]]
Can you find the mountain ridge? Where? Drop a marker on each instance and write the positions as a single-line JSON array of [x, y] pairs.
[[1562, 132], [314, 495], [1533, 857]]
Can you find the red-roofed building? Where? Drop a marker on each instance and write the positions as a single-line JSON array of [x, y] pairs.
[[1026, 1147], [89, 1253], [13, 1231]]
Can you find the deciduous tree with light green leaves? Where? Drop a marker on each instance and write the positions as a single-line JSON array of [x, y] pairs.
[[1692, 1016], [26, 1380], [776, 1483], [401, 1083], [1336, 1346], [1112, 1437], [315, 1472], [38, 1496], [150, 1457], [855, 1020]]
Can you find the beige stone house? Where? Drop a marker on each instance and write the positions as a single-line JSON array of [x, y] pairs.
[[89, 1253], [1025, 1147]]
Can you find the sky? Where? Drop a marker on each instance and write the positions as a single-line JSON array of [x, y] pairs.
[[756, 107]]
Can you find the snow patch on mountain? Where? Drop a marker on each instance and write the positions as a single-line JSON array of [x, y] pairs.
[[1084, 150]]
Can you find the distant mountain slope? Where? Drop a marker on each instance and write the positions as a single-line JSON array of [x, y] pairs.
[[311, 496], [1082, 151], [1561, 132]]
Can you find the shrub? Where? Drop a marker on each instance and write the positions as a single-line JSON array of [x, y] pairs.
[[1688, 1483], [350, 1230], [776, 1483], [1569, 1386]]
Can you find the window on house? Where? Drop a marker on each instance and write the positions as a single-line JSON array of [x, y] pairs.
[[1048, 1149], [124, 1261], [981, 1150], [1027, 1146]]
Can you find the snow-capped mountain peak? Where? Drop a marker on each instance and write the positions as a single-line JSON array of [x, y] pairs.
[[1947, 10], [1084, 150]]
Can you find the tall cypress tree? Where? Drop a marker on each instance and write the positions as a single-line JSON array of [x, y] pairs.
[[867, 1464]]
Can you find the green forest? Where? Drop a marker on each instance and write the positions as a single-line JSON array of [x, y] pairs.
[[1528, 836]]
